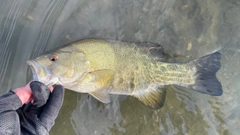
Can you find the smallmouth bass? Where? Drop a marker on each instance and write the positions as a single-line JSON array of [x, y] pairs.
[[102, 67]]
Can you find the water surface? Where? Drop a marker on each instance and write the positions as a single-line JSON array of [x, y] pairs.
[[183, 27]]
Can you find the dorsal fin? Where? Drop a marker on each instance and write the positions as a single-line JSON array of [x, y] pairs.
[[153, 98], [153, 49]]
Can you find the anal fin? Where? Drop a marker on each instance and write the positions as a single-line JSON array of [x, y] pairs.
[[153, 98]]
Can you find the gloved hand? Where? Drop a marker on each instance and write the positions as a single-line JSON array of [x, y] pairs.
[[34, 118]]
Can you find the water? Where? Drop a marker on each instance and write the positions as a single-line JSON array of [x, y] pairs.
[[184, 28]]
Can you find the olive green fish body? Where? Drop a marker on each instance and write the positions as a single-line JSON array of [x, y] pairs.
[[103, 67], [141, 70]]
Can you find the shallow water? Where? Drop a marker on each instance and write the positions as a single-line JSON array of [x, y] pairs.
[[184, 28]]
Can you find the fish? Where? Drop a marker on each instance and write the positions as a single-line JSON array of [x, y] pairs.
[[102, 67]]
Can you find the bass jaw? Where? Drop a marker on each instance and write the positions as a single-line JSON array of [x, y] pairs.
[[35, 68]]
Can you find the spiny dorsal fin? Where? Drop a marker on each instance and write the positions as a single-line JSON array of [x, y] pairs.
[[102, 96], [154, 99], [153, 49]]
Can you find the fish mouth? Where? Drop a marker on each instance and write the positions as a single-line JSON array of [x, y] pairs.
[[34, 66], [48, 78]]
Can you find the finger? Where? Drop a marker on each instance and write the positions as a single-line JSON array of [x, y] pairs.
[[51, 88], [24, 93], [52, 107], [27, 107], [40, 93]]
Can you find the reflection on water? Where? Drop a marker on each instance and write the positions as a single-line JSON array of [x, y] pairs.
[[104, 117], [184, 28]]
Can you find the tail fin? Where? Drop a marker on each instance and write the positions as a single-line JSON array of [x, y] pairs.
[[206, 80]]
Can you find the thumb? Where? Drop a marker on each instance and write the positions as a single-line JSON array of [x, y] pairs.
[[40, 93], [40, 96]]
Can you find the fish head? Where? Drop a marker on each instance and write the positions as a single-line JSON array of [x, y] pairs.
[[64, 66]]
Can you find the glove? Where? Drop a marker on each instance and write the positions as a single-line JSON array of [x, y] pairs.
[[34, 118]]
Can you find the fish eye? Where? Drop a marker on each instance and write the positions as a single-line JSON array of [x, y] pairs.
[[53, 58]]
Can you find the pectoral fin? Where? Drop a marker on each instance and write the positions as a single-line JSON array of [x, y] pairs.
[[102, 96], [97, 80], [153, 98]]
